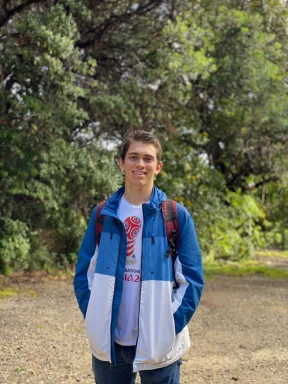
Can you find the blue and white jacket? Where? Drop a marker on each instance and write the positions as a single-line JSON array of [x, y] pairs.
[[164, 311]]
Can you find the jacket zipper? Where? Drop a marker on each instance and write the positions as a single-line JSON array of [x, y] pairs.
[[140, 294], [108, 258], [116, 275]]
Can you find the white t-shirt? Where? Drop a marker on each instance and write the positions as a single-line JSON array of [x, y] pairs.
[[126, 332]]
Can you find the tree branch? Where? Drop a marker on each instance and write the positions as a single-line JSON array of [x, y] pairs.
[[5, 3], [12, 12], [262, 182], [114, 21]]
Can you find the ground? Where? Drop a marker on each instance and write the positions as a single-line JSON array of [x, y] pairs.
[[238, 334]]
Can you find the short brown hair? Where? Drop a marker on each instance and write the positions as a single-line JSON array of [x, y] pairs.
[[144, 137]]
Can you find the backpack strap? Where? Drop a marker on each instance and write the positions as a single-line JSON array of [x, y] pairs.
[[99, 222], [169, 209]]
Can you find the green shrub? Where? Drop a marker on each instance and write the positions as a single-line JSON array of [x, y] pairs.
[[227, 223], [14, 245]]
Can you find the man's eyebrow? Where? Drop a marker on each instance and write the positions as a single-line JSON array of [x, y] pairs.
[[145, 154]]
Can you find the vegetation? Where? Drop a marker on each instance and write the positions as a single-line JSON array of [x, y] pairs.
[[243, 269], [208, 76], [272, 253], [6, 292]]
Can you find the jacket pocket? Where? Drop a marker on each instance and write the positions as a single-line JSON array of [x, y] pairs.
[[108, 254], [99, 314], [157, 328]]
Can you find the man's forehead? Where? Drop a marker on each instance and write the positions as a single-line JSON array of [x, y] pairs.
[[138, 148]]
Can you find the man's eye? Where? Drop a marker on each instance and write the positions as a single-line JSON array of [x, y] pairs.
[[148, 159]]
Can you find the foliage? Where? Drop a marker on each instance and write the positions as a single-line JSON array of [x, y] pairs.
[[243, 269], [6, 292], [49, 183], [237, 233], [208, 77], [242, 104], [272, 253], [275, 198], [14, 245], [227, 222]]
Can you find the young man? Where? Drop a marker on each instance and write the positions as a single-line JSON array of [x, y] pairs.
[[135, 321]]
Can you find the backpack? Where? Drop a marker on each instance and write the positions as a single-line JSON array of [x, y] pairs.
[[170, 215]]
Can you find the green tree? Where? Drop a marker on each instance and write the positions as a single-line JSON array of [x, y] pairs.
[[48, 179], [207, 76]]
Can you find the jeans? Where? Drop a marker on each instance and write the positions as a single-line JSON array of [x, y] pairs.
[[122, 373]]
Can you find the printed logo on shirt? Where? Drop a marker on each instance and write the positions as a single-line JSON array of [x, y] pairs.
[[132, 275], [132, 227]]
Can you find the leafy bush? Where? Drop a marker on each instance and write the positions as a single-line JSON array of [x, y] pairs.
[[58, 202], [14, 245], [227, 223], [276, 223], [236, 234]]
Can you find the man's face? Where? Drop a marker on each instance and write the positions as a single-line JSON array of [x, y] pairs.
[[140, 165]]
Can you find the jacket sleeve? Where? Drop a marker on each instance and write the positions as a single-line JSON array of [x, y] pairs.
[[188, 272], [85, 266]]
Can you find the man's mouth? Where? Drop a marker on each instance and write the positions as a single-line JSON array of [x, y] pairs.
[[139, 173]]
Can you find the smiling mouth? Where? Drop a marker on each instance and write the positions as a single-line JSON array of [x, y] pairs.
[[139, 173]]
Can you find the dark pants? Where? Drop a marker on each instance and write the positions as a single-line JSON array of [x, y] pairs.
[[122, 373]]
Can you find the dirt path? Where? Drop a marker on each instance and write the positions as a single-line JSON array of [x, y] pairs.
[[239, 334]]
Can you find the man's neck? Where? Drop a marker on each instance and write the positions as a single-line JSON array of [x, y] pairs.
[[137, 197]]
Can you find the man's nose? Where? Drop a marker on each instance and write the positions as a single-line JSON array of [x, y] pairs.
[[140, 162]]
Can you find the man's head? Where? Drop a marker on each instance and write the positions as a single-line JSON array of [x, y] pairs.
[[144, 137], [140, 159]]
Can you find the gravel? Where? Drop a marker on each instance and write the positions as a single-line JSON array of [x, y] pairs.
[[239, 334]]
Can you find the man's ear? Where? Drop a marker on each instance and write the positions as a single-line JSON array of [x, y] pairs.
[[121, 164], [158, 168]]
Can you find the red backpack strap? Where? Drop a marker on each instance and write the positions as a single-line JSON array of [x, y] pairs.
[[99, 222], [169, 209]]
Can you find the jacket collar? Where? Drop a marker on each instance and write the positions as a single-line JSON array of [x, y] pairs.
[[156, 200]]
